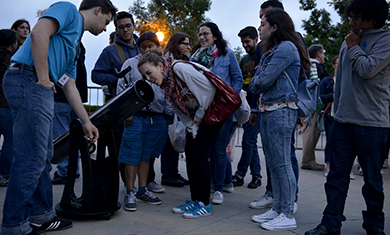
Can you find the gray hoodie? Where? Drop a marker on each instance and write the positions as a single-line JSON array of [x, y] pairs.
[[363, 78], [160, 103], [201, 88]]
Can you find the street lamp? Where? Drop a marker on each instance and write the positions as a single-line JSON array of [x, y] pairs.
[[160, 36]]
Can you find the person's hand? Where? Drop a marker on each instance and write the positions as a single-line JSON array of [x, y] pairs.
[[253, 119], [91, 132], [195, 122], [353, 39], [48, 84], [129, 121], [168, 118], [194, 129]]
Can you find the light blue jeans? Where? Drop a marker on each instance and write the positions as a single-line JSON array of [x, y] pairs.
[[6, 124], [29, 195], [276, 129], [61, 122]]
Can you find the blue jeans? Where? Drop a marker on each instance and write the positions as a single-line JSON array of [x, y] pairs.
[[63, 115], [294, 162], [328, 121], [276, 129], [221, 168], [369, 144], [250, 154], [29, 195], [6, 124]]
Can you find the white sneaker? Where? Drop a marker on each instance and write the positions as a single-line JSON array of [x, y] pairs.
[[155, 187], [281, 222], [217, 198], [326, 173], [295, 208], [263, 202], [351, 176], [267, 216]]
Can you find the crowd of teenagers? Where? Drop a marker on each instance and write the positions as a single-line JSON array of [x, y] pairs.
[[44, 86]]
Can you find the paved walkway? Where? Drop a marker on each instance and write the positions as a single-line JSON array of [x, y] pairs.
[[233, 216]]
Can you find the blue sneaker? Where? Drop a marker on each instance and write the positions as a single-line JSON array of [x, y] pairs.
[[199, 210], [184, 208]]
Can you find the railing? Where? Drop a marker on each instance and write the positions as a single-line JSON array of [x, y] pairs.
[[95, 97], [298, 140]]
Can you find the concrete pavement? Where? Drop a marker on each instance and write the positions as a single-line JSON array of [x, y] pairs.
[[233, 216]]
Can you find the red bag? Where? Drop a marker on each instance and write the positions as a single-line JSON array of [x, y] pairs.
[[226, 100]]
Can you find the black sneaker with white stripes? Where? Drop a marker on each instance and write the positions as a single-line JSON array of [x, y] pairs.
[[53, 225]]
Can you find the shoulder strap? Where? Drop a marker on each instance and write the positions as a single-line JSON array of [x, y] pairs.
[[120, 52], [188, 62], [289, 79]]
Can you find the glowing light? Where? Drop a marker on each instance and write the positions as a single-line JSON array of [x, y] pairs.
[[160, 36]]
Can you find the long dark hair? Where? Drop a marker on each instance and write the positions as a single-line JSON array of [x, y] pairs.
[[173, 45], [220, 42], [285, 32], [19, 22]]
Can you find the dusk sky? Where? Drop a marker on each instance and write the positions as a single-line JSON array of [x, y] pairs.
[[230, 15]]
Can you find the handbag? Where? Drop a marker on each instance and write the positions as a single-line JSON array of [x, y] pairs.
[[307, 95], [177, 134], [226, 100], [320, 121], [244, 111], [320, 118], [314, 76]]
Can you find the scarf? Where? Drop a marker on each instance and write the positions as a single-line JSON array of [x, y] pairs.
[[206, 55], [171, 88]]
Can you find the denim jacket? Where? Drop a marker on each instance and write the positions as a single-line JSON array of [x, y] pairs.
[[227, 67], [269, 78]]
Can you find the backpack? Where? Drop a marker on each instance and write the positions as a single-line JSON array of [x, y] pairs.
[[308, 94]]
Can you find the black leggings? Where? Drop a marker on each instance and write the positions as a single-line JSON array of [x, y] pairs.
[[198, 165]]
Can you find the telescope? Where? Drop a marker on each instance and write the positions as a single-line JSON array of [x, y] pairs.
[[100, 186]]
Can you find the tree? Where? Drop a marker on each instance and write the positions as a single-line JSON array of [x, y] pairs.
[[170, 16], [320, 30], [239, 52]]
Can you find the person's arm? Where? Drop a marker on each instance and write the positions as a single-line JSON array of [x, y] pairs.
[[368, 63], [325, 95], [103, 71], [235, 73], [122, 84], [73, 97], [281, 59], [199, 85], [40, 39], [340, 69]]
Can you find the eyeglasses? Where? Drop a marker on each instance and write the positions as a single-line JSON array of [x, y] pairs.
[[354, 18], [185, 43], [204, 34], [127, 26]]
